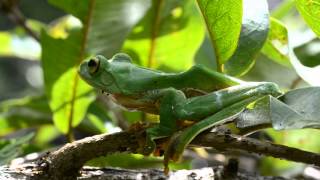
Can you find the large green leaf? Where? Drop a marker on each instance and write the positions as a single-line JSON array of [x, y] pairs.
[[276, 48], [310, 11], [105, 24], [168, 36], [296, 109], [254, 32], [223, 20]]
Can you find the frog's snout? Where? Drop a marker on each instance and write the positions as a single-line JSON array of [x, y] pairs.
[[84, 71]]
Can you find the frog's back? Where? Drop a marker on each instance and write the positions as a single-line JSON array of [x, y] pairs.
[[136, 79]]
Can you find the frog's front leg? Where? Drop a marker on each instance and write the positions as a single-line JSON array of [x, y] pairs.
[[169, 98]]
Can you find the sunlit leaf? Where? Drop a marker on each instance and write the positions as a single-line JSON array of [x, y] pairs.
[[223, 20], [5, 45], [254, 32], [310, 11], [105, 25], [66, 104], [276, 47], [168, 36]]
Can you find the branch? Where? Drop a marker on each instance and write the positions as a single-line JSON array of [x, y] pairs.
[[68, 160], [10, 8]]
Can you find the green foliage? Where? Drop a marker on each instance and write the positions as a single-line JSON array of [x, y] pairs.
[[168, 35], [69, 96], [150, 42]]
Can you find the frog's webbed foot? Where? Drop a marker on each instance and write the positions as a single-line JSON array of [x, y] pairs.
[[153, 134]]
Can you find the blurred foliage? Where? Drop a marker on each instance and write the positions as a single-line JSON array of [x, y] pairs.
[[236, 37], [12, 148]]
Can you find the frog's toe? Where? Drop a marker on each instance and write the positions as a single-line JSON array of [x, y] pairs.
[[149, 146], [152, 134], [173, 151]]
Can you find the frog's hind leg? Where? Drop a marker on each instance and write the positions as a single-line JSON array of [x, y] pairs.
[[168, 120], [181, 139]]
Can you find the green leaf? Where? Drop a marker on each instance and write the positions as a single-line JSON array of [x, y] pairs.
[[12, 148], [276, 48], [223, 20], [309, 53], [254, 32], [310, 11], [296, 109], [167, 37], [67, 104], [105, 25]]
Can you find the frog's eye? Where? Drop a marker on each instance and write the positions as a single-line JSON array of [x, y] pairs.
[[93, 65]]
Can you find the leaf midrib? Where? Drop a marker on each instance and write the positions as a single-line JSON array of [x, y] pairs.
[[86, 26]]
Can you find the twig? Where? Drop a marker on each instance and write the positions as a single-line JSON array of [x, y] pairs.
[[68, 160], [295, 82], [10, 8]]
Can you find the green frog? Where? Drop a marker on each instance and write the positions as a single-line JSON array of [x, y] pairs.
[[200, 95]]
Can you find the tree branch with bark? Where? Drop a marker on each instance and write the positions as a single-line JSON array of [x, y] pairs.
[[68, 160]]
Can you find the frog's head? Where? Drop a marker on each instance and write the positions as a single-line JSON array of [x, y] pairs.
[[99, 73]]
